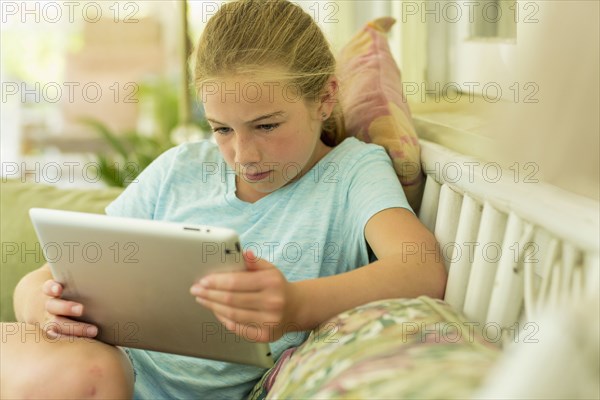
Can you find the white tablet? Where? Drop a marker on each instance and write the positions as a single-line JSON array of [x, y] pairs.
[[133, 277]]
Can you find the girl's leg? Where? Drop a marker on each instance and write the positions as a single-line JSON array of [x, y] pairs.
[[34, 365]]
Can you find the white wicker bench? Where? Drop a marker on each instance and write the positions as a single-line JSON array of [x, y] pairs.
[[512, 245]]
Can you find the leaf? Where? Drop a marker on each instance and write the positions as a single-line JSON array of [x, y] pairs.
[[111, 175], [134, 147], [110, 137]]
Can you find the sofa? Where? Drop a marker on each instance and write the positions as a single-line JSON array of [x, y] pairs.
[[21, 251], [386, 349]]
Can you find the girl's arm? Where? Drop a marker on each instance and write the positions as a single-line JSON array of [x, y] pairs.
[[261, 303], [409, 265], [28, 299]]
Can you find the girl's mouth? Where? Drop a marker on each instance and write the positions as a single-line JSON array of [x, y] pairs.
[[257, 177]]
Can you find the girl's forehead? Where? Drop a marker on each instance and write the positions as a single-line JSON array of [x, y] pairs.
[[249, 89]]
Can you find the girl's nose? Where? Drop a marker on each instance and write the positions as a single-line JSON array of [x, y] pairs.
[[246, 150]]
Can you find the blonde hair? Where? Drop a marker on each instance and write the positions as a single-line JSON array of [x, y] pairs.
[[245, 36]]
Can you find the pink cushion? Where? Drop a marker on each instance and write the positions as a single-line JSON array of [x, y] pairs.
[[375, 109]]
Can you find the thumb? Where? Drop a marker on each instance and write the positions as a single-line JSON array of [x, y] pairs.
[[255, 263]]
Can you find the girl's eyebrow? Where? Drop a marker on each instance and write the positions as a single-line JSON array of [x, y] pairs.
[[274, 114]]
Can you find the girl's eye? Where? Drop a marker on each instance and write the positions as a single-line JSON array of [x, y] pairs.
[[268, 127], [222, 131]]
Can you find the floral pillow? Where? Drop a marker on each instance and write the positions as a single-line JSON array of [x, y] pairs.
[[400, 348], [375, 109]]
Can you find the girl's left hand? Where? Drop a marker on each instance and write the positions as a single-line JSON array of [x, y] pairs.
[[256, 304]]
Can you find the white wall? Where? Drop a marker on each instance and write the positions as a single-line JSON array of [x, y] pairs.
[[561, 132]]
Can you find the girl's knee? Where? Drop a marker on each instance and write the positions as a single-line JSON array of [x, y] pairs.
[[101, 371], [66, 368]]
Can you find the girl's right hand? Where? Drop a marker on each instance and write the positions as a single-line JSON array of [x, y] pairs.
[[57, 312]]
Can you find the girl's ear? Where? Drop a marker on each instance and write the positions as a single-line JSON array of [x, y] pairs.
[[329, 98]]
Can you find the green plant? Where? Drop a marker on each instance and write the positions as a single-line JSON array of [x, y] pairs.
[[133, 151]]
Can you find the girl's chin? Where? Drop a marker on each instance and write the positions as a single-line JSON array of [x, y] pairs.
[[266, 187]]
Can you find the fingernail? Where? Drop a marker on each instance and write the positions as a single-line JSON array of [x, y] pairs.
[[78, 309], [201, 300], [196, 290], [52, 334], [55, 289], [92, 331], [205, 282]]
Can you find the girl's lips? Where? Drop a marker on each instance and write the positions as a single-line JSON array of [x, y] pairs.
[[257, 177]]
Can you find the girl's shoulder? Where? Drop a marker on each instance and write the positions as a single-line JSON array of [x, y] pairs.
[[203, 150], [192, 152], [184, 161], [352, 151]]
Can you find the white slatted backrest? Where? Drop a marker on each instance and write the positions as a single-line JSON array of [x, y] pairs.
[[446, 221], [509, 246], [488, 251], [429, 204], [462, 255]]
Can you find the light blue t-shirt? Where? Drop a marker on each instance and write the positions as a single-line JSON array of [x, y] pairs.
[[310, 228]]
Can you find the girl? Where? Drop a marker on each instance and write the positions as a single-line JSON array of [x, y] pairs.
[[310, 209]]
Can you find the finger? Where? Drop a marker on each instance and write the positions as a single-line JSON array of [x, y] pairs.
[[52, 288], [254, 263], [229, 324], [237, 315], [242, 281], [68, 327], [257, 301], [246, 300], [63, 307]]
